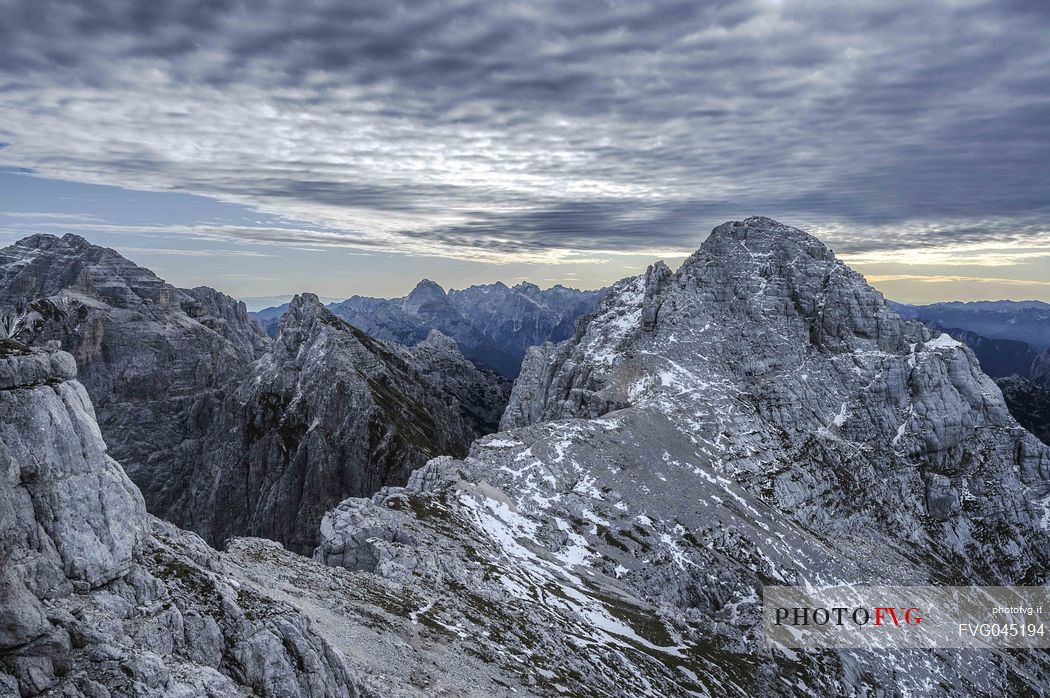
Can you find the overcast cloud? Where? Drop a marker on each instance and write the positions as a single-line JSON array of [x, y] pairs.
[[552, 131]]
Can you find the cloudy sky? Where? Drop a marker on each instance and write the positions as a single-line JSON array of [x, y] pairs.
[[266, 147]]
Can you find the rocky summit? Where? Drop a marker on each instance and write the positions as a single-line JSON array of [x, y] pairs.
[[758, 416]]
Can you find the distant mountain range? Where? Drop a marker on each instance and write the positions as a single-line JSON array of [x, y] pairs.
[[1021, 321], [493, 324]]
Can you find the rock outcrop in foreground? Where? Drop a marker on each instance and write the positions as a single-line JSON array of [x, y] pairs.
[[758, 417], [97, 598]]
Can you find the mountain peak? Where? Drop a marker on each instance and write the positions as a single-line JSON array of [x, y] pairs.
[[761, 228], [428, 290], [303, 311], [439, 340], [37, 241], [304, 300], [45, 265], [760, 239], [765, 380], [307, 318], [74, 240], [46, 241]]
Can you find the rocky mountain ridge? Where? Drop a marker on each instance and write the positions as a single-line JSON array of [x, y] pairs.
[[226, 431], [759, 416], [327, 413], [155, 359]]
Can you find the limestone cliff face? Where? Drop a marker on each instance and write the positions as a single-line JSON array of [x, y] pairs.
[[328, 413], [156, 360], [482, 394], [758, 416], [225, 431], [99, 598]]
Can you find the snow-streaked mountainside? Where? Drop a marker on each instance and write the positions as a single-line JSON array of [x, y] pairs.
[[1021, 373], [225, 431], [493, 324], [758, 416]]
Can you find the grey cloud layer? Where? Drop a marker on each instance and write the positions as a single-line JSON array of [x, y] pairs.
[[474, 127]]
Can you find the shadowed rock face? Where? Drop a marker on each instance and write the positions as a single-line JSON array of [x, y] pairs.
[[156, 360], [759, 416], [1029, 403], [226, 432], [521, 316], [1029, 398], [482, 394], [99, 598], [329, 412], [1041, 368]]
